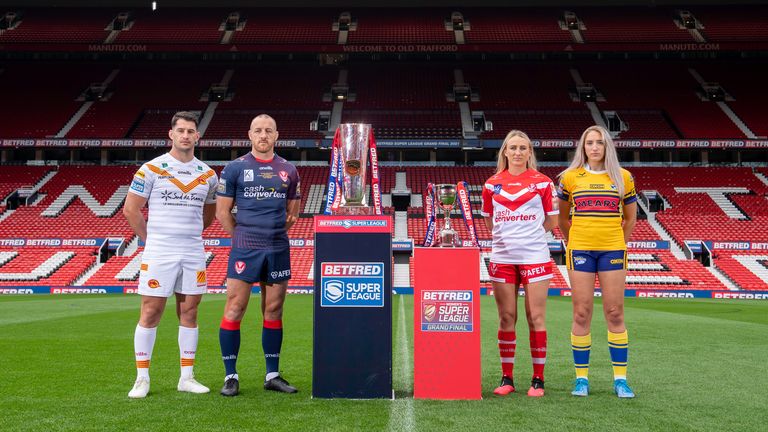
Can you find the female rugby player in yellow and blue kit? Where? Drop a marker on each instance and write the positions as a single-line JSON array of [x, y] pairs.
[[598, 210]]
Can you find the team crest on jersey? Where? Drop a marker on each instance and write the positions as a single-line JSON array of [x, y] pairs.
[[201, 278], [283, 176], [239, 266], [531, 187], [494, 268], [153, 283], [496, 189], [248, 175]]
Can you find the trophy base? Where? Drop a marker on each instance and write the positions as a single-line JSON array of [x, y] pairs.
[[353, 211], [449, 238]]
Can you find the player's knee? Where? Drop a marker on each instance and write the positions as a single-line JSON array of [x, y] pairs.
[[535, 320], [614, 315], [273, 312], [507, 321], [150, 316], [581, 316], [234, 311]]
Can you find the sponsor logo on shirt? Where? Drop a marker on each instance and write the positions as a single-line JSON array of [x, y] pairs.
[[184, 172], [248, 175], [178, 196], [260, 193], [222, 187], [137, 185]]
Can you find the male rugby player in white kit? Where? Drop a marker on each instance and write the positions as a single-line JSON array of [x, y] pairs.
[[180, 191]]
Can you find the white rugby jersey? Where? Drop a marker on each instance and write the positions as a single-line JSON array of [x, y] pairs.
[[518, 205], [176, 193]]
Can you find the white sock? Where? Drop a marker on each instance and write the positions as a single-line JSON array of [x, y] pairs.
[[235, 376], [187, 350], [143, 343], [272, 375]]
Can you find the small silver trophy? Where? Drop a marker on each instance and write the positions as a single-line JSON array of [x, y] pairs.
[[354, 139], [446, 199]]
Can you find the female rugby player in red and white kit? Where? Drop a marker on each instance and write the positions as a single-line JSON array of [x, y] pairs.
[[519, 210]]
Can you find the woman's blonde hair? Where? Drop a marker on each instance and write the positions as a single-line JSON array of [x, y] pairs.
[[503, 163], [611, 158]]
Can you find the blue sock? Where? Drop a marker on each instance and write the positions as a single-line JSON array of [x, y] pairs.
[[229, 339], [271, 342]]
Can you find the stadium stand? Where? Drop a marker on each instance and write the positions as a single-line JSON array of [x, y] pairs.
[[400, 26], [694, 216], [25, 85], [164, 26], [631, 25], [728, 24], [519, 26], [60, 25], [45, 266], [743, 269], [171, 88], [92, 212]]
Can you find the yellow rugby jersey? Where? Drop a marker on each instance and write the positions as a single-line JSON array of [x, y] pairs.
[[596, 210]]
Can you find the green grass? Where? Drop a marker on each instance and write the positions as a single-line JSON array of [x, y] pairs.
[[66, 363]]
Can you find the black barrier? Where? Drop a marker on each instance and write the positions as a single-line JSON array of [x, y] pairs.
[[352, 346]]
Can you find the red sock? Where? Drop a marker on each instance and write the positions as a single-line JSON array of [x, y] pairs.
[[507, 345], [538, 352]]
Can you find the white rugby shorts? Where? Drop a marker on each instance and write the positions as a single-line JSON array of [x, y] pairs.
[[163, 278]]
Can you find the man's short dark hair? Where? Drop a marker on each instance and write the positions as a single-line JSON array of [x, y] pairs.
[[184, 115]]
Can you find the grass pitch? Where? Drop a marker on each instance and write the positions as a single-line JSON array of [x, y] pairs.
[[67, 364]]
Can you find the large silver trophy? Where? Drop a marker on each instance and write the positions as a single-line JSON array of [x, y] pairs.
[[446, 200], [354, 141]]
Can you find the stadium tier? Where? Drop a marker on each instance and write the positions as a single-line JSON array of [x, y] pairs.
[[163, 26], [669, 88], [659, 101], [746, 271], [631, 25], [523, 26], [137, 88], [60, 25], [400, 26], [279, 26], [85, 201], [715, 202]]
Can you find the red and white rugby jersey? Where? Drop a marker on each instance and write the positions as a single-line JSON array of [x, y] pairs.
[[519, 204]]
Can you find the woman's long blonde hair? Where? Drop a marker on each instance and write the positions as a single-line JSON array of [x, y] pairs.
[[503, 163], [611, 160]]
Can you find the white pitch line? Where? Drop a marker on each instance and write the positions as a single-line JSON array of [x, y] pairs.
[[401, 416]]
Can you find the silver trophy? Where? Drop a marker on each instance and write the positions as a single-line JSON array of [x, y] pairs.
[[354, 139], [446, 199]]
